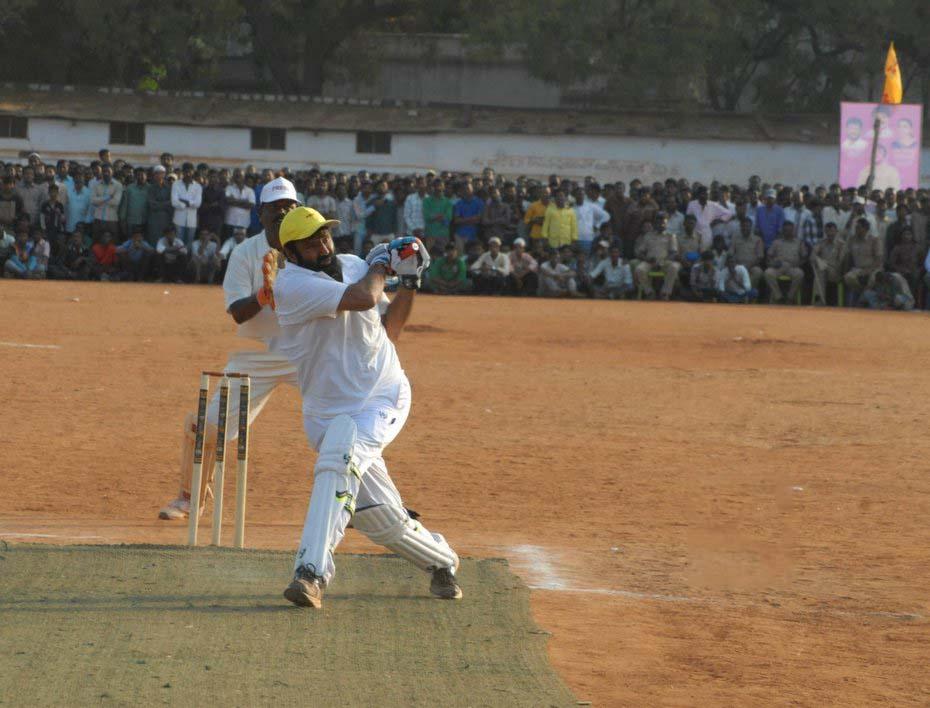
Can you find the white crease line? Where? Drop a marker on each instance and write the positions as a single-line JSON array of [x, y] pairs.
[[23, 345], [44, 535]]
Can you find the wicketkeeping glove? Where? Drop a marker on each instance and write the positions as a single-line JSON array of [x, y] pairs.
[[379, 254], [408, 260]]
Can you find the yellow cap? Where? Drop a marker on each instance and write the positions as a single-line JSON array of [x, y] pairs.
[[301, 223]]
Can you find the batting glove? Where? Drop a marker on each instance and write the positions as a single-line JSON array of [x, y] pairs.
[[379, 254], [408, 260]]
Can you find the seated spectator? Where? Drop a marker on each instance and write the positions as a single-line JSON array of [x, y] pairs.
[[42, 251], [523, 278], [172, 256], [7, 245], [785, 257], [905, 258], [888, 291], [446, 275], [865, 259], [749, 251], [106, 260], [204, 257], [556, 279], [734, 282], [238, 236], [22, 263], [827, 260], [490, 271], [74, 262], [704, 279], [658, 249], [719, 249], [136, 256], [612, 278]]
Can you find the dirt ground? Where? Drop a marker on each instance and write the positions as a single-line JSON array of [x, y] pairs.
[[713, 504]]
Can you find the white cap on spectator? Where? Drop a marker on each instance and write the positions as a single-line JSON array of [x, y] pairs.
[[279, 188], [519, 242], [494, 239], [603, 243], [159, 168], [769, 193], [859, 200]]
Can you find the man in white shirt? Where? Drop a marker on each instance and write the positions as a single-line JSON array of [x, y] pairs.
[[172, 256], [617, 277], [707, 213], [556, 279], [591, 216], [186, 196], [490, 271], [413, 209], [249, 304], [238, 236], [356, 398], [240, 199], [734, 283]]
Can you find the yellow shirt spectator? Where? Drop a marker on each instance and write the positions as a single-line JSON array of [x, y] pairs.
[[536, 210], [560, 227]]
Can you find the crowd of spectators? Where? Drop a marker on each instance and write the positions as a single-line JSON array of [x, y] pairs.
[[110, 220]]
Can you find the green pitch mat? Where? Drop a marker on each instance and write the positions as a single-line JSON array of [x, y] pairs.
[[131, 625]]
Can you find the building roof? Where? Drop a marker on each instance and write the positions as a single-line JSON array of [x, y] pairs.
[[316, 113]]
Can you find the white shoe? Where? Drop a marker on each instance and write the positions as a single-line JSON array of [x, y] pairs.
[[179, 508]]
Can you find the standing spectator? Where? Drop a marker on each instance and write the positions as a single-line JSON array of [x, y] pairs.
[[135, 256], [785, 258], [22, 263], [827, 259], [212, 212], [106, 260], [79, 209], [172, 256], [134, 207], [805, 228], [749, 251], [556, 279], [704, 279], [52, 219], [865, 258], [707, 214], [612, 278], [255, 225], [11, 204], [590, 215], [734, 283], [413, 211], [64, 180], [490, 271], [560, 227], [888, 291], [105, 197], [159, 213], [676, 218], [535, 215], [770, 218], [186, 197], [383, 219], [31, 194], [437, 217], [240, 200], [447, 274], [658, 251], [523, 278], [204, 259], [466, 216], [363, 204], [345, 214], [496, 217]]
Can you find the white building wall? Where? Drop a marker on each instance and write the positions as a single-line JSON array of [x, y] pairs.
[[605, 157]]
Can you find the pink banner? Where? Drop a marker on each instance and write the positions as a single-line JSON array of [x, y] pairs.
[[897, 162]]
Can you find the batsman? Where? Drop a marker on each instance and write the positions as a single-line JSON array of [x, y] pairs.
[[355, 397]]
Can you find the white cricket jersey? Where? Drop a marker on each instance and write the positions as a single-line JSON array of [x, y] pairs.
[[344, 359], [243, 279]]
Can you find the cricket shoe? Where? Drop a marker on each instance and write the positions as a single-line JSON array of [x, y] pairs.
[[443, 583], [306, 589]]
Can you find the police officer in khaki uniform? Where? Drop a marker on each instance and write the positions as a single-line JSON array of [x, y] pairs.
[[827, 261], [749, 250], [785, 257], [657, 251], [865, 256]]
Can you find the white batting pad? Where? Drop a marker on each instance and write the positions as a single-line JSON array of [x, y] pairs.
[[336, 480], [391, 527]]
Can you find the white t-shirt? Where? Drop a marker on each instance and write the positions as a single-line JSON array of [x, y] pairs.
[[243, 279], [344, 360], [237, 216]]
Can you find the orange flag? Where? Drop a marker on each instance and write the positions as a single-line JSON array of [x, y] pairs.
[[893, 90]]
